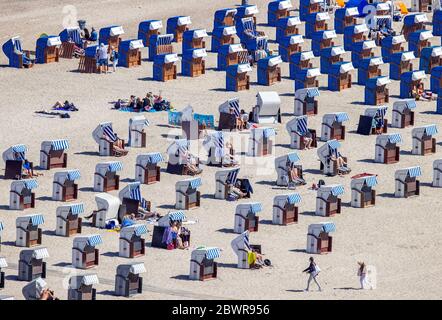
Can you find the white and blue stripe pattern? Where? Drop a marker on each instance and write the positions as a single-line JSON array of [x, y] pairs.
[[73, 175], [182, 145], [414, 171], [90, 279], [37, 219], [20, 148], [255, 207], [294, 198], [177, 216], [268, 132], [94, 240], [109, 132], [249, 24], [395, 138], [411, 104], [342, 116], [115, 166], [213, 253], [155, 157], [2, 227], [302, 125], [195, 183], [30, 183], [3, 263], [381, 112], [431, 130], [371, 181], [140, 229], [234, 103], [218, 142], [164, 39], [312, 92], [262, 43], [61, 144], [74, 36], [135, 191], [337, 190], [293, 157], [77, 208], [232, 176], [17, 44], [329, 227], [333, 144]]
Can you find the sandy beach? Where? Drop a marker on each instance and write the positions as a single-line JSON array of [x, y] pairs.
[[399, 237]]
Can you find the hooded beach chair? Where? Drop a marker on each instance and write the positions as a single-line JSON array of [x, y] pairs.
[[128, 281], [244, 250], [110, 36], [315, 22], [159, 237], [431, 57], [69, 220], [261, 141], [187, 194], [231, 54], [283, 165], [339, 77], [418, 40], [297, 129], [107, 209], [287, 27], [15, 158], [410, 80], [285, 209], [328, 202], [224, 17], [362, 50], [246, 218], [369, 68], [176, 162], [18, 58], [229, 112], [132, 245], [147, 170], [28, 232], [31, 265], [322, 40], [193, 124], [268, 107], [85, 255], [131, 199], [177, 26], [376, 91], [406, 182], [148, 28], [251, 39], [391, 45], [193, 63], [106, 177], [345, 17], [237, 78], [3, 264], [70, 38], [222, 36], [403, 113], [64, 187], [400, 63], [277, 10], [34, 289], [437, 21], [299, 61], [383, 9], [194, 39], [374, 117], [245, 11], [362, 193], [319, 240], [354, 34], [307, 7], [437, 173], [164, 67], [81, 287], [47, 49], [332, 127], [269, 71], [435, 81], [328, 165], [214, 144], [21, 195], [137, 133], [88, 62], [130, 53], [330, 56], [289, 45], [423, 141], [53, 154], [107, 139], [414, 22], [202, 263], [307, 78], [386, 149], [225, 179], [160, 44], [305, 102]]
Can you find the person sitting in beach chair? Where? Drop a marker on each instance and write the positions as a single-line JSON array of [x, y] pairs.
[[190, 163], [244, 186], [117, 145], [235, 192], [341, 163], [26, 60], [229, 158], [419, 93], [176, 236], [294, 177]]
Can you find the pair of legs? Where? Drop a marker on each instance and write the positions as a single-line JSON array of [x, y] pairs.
[[193, 169], [308, 143], [119, 148], [102, 65], [310, 278]]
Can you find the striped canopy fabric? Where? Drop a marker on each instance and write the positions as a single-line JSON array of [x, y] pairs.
[[177, 216], [255, 207], [232, 176], [333, 144], [74, 36], [249, 24], [245, 236], [109, 132], [2, 227], [155, 157], [431, 130], [293, 157], [268, 132], [395, 138], [164, 39], [234, 103], [135, 191], [140, 229], [115, 166], [381, 112], [174, 118], [40, 253], [137, 268], [414, 172], [94, 240], [30, 183], [294, 198], [77, 208], [329, 227], [371, 181], [90, 279], [61, 144], [17, 44], [3, 263], [411, 104], [302, 125], [217, 142], [342, 116], [312, 92], [212, 253], [182, 145], [337, 190], [382, 20], [37, 219], [195, 183], [73, 175], [20, 148]]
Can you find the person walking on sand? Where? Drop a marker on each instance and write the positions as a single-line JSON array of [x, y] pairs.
[[313, 271], [362, 274], [114, 58]]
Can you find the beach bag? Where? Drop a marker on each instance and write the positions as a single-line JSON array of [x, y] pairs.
[[317, 270]]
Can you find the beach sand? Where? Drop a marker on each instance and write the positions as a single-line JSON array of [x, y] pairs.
[[399, 237]]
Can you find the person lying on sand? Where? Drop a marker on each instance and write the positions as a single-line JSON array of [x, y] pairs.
[[68, 106]]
